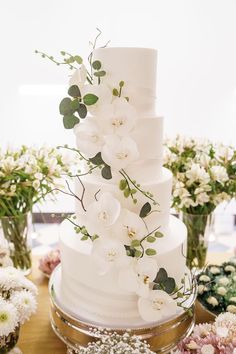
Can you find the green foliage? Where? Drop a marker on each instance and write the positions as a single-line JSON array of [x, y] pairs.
[[97, 65], [151, 239], [150, 252], [70, 121], [106, 172], [82, 110], [123, 184], [89, 99], [135, 243], [65, 106], [164, 282], [158, 234], [100, 73], [97, 159], [145, 210], [74, 91], [115, 92]]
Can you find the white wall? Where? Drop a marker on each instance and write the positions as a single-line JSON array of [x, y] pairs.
[[196, 69]]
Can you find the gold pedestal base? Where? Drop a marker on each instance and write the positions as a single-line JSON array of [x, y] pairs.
[[75, 332]]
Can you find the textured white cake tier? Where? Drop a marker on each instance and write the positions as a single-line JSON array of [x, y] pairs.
[[159, 187], [137, 68], [99, 298]]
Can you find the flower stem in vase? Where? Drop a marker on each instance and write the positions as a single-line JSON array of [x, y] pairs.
[[15, 231], [198, 227]]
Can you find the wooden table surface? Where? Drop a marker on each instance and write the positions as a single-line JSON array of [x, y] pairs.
[[36, 335]]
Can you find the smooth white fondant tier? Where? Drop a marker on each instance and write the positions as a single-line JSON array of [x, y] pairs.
[[99, 298], [137, 68], [159, 187]]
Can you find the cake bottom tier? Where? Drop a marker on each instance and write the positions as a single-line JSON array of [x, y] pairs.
[[99, 298]]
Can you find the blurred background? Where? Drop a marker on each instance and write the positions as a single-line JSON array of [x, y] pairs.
[[195, 39]]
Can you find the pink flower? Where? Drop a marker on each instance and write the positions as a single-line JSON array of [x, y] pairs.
[[49, 262]]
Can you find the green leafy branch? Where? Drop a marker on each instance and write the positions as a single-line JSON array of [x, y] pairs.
[[82, 229], [131, 185], [118, 91], [71, 107], [164, 282], [136, 248], [70, 60]]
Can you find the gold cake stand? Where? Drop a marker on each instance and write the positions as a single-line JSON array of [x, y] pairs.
[[75, 332]]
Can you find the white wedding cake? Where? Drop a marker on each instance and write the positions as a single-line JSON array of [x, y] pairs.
[[122, 255]]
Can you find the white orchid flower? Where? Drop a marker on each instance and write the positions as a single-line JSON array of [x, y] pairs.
[[117, 117], [157, 306], [119, 152], [138, 277], [130, 227], [102, 214], [89, 137], [108, 253]]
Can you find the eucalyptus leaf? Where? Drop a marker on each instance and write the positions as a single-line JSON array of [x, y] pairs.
[[161, 276], [137, 253], [97, 65], [97, 159], [100, 73], [150, 252], [65, 106], [123, 184], [115, 92], [74, 105], [84, 238], [90, 99], [74, 91], [126, 192], [135, 243], [145, 210], [169, 285], [158, 234], [106, 172], [151, 239], [70, 121], [82, 110], [78, 59]]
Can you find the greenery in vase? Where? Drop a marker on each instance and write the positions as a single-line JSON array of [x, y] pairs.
[[204, 175], [27, 176]]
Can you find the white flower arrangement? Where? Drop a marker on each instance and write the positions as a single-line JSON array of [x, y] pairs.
[[27, 175], [17, 300], [204, 173]]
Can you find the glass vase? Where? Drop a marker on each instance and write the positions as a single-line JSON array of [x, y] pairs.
[[199, 228], [16, 231], [7, 343]]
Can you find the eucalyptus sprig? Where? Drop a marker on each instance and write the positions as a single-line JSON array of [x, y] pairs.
[[118, 91], [127, 185], [81, 230], [136, 248]]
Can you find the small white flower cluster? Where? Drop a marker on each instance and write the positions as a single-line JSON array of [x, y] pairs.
[[114, 343], [17, 299], [204, 173], [27, 174], [108, 129]]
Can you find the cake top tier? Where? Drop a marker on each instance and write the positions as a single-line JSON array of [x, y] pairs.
[[137, 68]]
